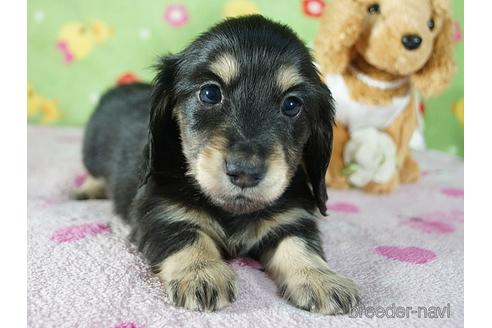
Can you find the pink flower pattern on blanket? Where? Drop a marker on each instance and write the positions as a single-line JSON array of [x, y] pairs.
[[414, 255], [453, 192], [440, 222], [344, 207], [429, 225], [77, 232], [126, 325]]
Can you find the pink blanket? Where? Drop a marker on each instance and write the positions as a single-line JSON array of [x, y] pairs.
[[404, 250]]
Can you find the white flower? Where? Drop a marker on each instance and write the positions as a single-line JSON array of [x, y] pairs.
[[369, 155]]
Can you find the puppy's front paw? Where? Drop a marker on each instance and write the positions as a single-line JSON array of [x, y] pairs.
[[321, 291], [205, 286]]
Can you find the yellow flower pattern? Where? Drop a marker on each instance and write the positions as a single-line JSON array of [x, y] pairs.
[[40, 107]]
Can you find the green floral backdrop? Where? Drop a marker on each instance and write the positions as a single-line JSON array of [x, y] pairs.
[[77, 49]]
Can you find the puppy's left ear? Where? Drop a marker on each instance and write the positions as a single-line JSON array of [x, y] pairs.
[[163, 149], [437, 73], [317, 152]]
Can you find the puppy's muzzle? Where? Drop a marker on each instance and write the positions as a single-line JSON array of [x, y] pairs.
[[244, 167]]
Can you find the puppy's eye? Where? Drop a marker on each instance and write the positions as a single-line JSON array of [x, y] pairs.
[[374, 9], [431, 24], [210, 94], [291, 106]]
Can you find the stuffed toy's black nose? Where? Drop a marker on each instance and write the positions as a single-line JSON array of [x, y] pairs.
[[244, 174], [411, 41]]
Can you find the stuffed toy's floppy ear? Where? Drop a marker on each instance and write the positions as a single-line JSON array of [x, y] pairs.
[[437, 73], [341, 26], [163, 149], [317, 152]]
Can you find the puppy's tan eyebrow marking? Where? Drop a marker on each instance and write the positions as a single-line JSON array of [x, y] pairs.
[[287, 77], [226, 67]]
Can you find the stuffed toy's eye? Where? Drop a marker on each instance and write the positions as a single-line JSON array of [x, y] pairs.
[[210, 94], [374, 9], [291, 106], [430, 24]]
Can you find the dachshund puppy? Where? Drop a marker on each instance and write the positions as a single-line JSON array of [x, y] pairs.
[[224, 156]]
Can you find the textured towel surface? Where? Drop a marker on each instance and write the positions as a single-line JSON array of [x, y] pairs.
[[404, 250]]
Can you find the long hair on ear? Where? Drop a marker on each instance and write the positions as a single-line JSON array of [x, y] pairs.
[[341, 26], [437, 73], [317, 152], [163, 150]]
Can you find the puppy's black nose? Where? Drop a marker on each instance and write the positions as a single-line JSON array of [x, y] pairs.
[[244, 174], [411, 41]]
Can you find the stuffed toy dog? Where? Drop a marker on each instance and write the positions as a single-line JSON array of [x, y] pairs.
[[376, 58]]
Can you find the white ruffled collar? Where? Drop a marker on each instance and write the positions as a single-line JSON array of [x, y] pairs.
[[379, 84]]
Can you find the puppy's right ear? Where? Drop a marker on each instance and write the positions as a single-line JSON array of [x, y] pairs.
[[163, 149], [341, 27]]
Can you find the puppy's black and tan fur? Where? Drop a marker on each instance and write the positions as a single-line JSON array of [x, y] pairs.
[[224, 156]]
